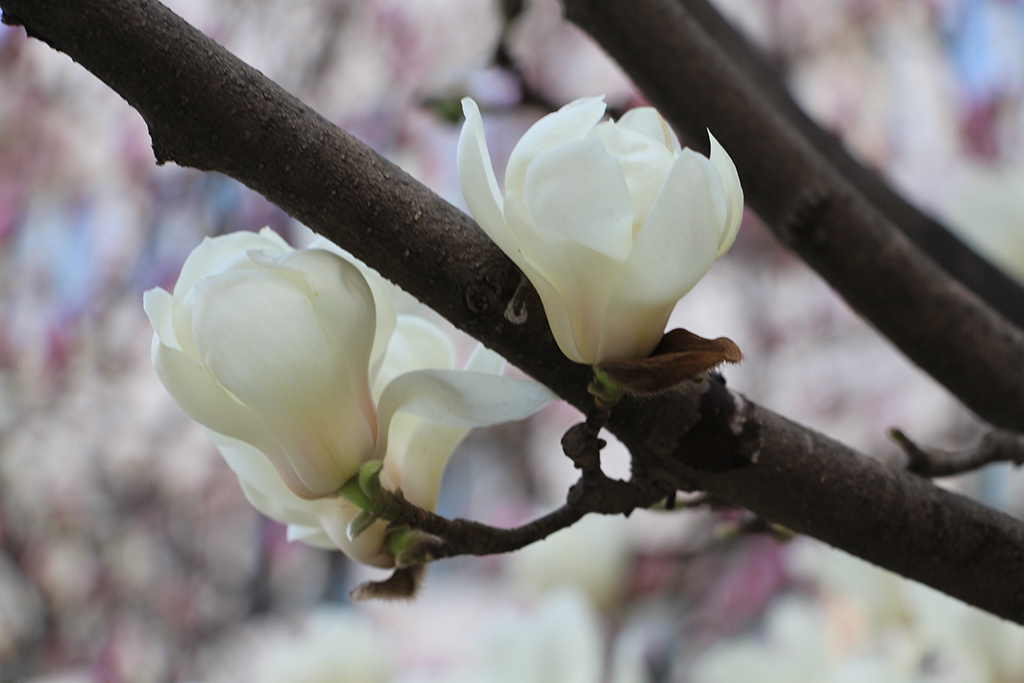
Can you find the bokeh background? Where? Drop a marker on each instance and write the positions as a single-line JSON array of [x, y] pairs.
[[127, 550]]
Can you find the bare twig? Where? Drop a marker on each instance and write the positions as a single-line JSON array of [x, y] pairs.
[[466, 537], [998, 445], [809, 206], [206, 109]]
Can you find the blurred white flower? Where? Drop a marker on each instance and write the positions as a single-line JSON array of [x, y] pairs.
[[867, 624], [611, 221], [592, 555], [558, 642], [331, 645], [296, 365]]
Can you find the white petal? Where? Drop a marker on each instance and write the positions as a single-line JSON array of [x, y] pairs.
[[675, 248], [419, 466], [159, 307], [578, 191], [344, 304], [217, 254], [199, 395], [459, 398], [311, 535], [382, 302], [648, 121], [573, 282], [260, 337], [733, 192], [484, 360], [368, 547], [569, 124], [416, 345], [477, 181], [644, 163], [449, 402]]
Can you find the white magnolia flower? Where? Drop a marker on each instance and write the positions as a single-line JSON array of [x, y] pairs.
[[296, 365], [611, 221]]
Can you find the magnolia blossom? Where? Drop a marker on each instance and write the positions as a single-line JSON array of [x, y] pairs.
[[611, 221], [299, 369]]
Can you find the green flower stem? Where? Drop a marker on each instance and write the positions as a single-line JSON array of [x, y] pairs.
[[605, 391]]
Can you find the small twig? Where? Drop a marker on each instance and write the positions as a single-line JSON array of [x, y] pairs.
[[999, 445], [466, 537]]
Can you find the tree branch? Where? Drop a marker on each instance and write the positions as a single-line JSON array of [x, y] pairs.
[[1000, 291], [206, 109], [997, 446], [941, 326]]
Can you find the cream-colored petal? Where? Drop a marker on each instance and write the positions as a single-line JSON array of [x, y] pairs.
[[310, 535], [417, 344], [344, 304], [261, 483], [644, 163], [438, 409], [419, 466], [260, 337], [733, 193], [218, 254], [199, 395], [578, 191], [676, 246], [382, 302], [648, 121], [159, 307], [573, 282], [484, 360], [478, 182], [369, 547], [569, 124], [458, 398]]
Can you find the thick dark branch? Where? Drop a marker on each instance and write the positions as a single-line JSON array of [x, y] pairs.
[[997, 446], [1000, 291], [206, 109], [938, 323]]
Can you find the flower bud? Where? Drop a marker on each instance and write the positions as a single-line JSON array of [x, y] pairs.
[[612, 222]]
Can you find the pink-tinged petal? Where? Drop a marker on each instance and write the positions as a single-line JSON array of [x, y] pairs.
[[675, 248], [733, 193], [569, 124], [259, 335], [648, 121]]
